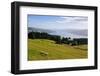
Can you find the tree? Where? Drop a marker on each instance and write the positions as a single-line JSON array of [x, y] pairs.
[[31, 35]]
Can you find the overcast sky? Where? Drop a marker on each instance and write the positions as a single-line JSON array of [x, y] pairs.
[[58, 22]]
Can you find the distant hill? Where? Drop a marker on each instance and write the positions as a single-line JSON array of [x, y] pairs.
[[73, 33], [30, 29], [83, 32]]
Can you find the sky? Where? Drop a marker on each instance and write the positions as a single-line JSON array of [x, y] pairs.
[[58, 22]]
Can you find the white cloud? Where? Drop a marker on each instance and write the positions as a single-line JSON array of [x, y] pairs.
[[71, 19], [68, 22]]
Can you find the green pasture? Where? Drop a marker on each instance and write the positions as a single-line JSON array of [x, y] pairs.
[[43, 49]]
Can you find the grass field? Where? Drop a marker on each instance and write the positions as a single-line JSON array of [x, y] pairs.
[[42, 49]]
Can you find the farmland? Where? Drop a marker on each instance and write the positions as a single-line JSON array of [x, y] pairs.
[[44, 49]]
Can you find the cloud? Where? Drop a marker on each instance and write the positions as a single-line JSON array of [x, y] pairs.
[[71, 19], [68, 22]]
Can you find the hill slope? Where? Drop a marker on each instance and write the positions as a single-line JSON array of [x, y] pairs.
[[42, 49]]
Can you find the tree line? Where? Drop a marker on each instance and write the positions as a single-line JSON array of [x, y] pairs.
[[57, 38]]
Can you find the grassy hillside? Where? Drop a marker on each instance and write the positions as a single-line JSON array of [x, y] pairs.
[[42, 49]]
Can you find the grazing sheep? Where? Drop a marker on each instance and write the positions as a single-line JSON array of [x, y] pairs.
[[43, 53]]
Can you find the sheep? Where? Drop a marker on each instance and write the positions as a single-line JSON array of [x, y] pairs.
[[43, 53]]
